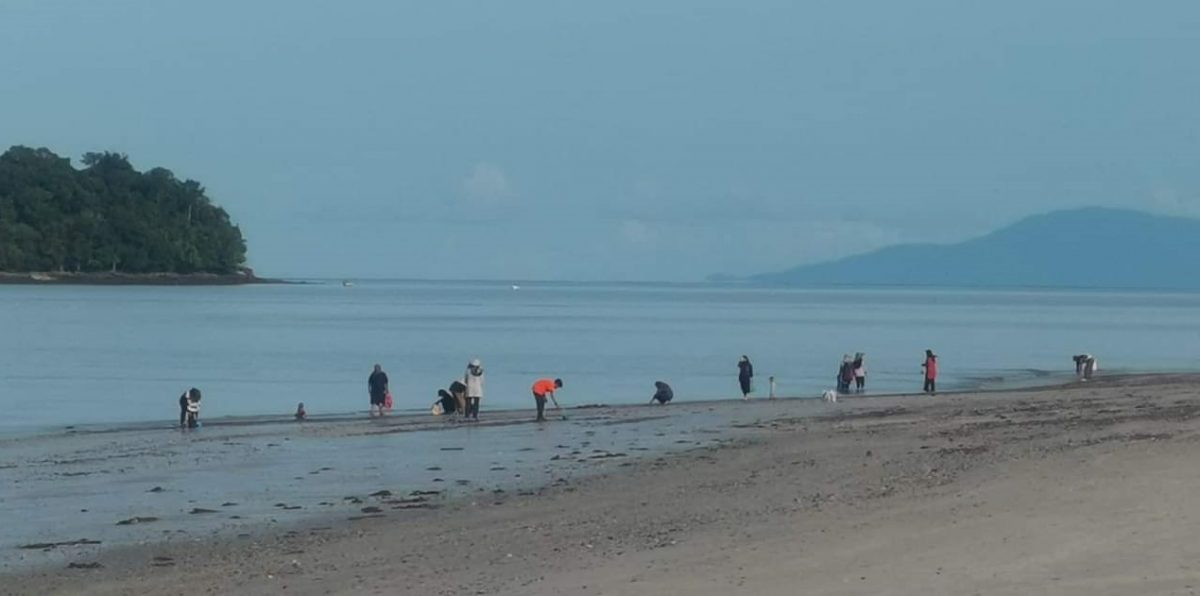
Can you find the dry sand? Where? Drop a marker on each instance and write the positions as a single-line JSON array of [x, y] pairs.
[[1080, 490]]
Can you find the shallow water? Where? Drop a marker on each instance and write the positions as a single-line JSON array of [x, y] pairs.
[[103, 355], [247, 478]]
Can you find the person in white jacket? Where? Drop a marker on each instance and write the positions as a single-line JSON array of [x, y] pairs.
[[473, 379]]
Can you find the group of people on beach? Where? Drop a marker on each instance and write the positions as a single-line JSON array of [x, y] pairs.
[[462, 396], [852, 371]]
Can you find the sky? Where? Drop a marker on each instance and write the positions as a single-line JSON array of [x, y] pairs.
[[642, 140]]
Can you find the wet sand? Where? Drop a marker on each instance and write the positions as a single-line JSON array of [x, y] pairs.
[[1074, 490]]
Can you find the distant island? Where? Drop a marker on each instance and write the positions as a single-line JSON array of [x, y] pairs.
[[109, 223], [1092, 248]]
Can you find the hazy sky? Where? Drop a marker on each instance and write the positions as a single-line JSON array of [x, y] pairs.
[[641, 140]]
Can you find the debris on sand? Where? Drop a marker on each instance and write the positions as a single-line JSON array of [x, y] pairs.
[[92, 565], [381, 493], [196, 510], [49, 545], [157, 489], [137, 520]]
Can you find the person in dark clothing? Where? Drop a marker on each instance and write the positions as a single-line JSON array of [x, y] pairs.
[[183, 404], [447, 401], [745, 375], [377, 388], [662, 393], [845, 374]]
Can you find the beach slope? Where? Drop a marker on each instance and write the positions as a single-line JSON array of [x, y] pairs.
[[1087, 489]]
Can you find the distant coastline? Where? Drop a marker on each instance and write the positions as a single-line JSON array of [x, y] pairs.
[[246, 277]]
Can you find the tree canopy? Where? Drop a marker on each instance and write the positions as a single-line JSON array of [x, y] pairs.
[[107, 216]]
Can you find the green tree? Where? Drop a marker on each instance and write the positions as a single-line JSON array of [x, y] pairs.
[[107, 216]]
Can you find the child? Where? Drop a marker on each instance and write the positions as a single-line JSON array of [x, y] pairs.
[[301, 415]]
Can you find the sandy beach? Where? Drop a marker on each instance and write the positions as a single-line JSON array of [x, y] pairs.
[[1083, 489]]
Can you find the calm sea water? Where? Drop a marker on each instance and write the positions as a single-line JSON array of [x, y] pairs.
[[83, 355]]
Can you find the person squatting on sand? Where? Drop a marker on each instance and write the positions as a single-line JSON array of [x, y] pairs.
[[473, 379], [377, 389], [931, 372], [450, 401], [662, 393], [301, 413], [745, 376], [542, 389]]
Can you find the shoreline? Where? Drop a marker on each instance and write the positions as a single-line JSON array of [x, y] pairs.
[[787, 481], [416, 416], [133, 279]]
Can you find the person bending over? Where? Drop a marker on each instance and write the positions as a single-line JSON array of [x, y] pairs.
[[543, 389], [662, 393]]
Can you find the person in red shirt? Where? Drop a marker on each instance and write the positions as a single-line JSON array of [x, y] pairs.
[[541, 390], [931, 372]]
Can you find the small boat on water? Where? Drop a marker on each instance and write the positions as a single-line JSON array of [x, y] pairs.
[[516, 287], [347, 284]]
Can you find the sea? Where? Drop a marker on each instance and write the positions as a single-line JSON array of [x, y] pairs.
[[79, 356]]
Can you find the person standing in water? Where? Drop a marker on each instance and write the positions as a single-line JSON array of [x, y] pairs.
[[662, 393], [860, 373], [542, 389], [931, 372], [377, 389], [745, 375], [845, 374], [473, 379]]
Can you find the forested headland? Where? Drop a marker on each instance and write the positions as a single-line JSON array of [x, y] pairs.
[[107, 217]]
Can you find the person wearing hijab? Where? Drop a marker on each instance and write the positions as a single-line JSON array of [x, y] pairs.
[[931, 372], [745, 375], [473, 379]]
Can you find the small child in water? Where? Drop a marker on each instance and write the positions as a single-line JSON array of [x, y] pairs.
[[301, 414]]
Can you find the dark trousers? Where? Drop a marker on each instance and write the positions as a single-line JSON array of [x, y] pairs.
[[860, 383], [930, 385], [182, 415], [473, 407], [541, 406]]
